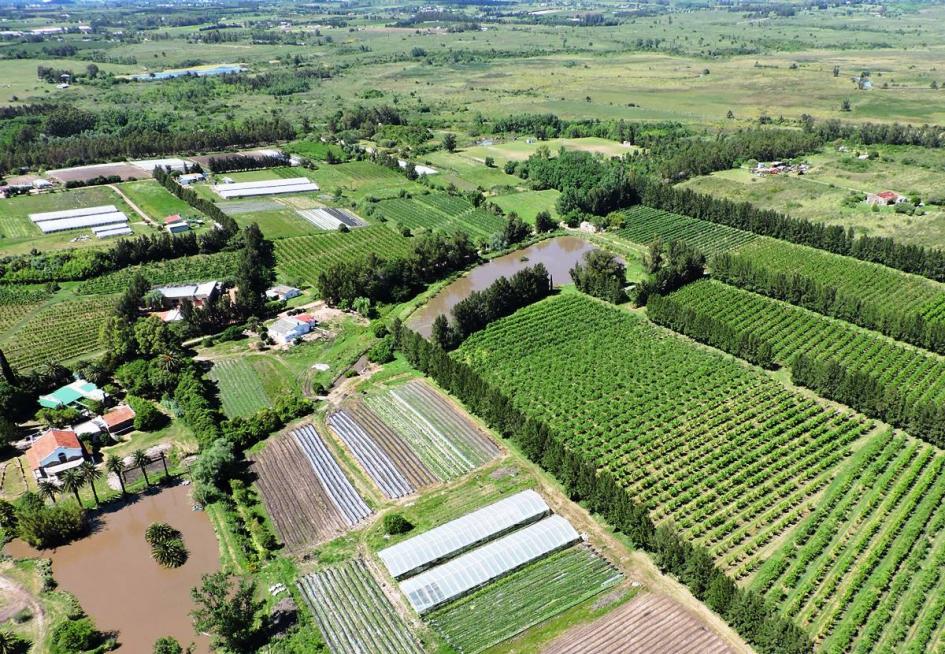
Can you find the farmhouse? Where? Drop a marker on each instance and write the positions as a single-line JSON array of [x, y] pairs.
[[885, 198], [287, 330], [55, 452], [282, 292], [198, 294], [175, 224], [118, 420], [71, 394]]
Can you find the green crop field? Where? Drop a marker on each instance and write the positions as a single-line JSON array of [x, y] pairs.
[[528, 203], [524, 598], [440, 212], [243, 384], [155, 200], [793, 331], [301, 258], [521, 149], [466, 173], [185, 270], [644, 225], [726, 453], [361, 179]]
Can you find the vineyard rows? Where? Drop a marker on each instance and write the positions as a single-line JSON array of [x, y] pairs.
[[863, 573], [352, 613], [448, 443], [303, 513], [375, 461], [58, 332], [185, 270], [729, 455], [338, 487], [442, 212], [302, 258], [649, 623], [241, 390], [644, 225], [526, 597], [794, 331]]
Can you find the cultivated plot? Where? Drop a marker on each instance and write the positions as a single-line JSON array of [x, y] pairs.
[[375, 461], [644, 225], [352, 613], [441, 212], [331, 218], [448, 442], [649, 623], [241, 389]]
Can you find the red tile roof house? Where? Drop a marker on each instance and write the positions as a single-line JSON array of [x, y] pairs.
[[119, 420], [885, 198], [55, 452]]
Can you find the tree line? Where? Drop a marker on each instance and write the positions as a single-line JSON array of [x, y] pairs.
[[232, 162], [889, 319], [503, 297], [746, 611], [377, 279], [547, 126]]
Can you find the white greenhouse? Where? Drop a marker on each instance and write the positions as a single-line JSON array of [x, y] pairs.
[[457, 536], [466, 573]]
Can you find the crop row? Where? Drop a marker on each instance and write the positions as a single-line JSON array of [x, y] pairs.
[[58, 332], [441, 212], [524, 598], [375, 461], [860, 569], [447, 442], [352, 613], [185, 270], [730, 456], [792, 331], [644, 225], [302, 258], [241, 390]]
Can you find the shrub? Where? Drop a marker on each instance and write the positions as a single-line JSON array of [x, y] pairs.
[[147, 416], [74, 636], [396, 523], [167, 645]]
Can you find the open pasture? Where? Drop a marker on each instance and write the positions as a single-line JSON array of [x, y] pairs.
[[522, 148], [447, 442], [295, 499], [523, 599], [300, 259], [727, 454], [643, 225], [440, 212], [155, 200], [649, 623], [361, 179], [527, 204], [467, 174], [353, 614]]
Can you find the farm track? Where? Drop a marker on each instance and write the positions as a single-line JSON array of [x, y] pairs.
[[353, 614], [303, 513], [648, 624]]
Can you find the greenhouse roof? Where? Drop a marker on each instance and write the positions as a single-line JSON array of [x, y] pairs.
[[457, 536], [465, 573]]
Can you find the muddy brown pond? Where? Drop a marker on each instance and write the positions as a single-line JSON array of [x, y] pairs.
[[121, 587], [557, 254]]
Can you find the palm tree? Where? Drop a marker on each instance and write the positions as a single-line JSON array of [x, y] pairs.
[[167, 475], [10, 643], [140, 459], [116, 465], [72, 480], [90, 474], [47, 490]]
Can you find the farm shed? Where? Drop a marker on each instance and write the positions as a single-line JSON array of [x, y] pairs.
[[198, 294], [282, 292], [885, 198], [58, 221], [190, 178], [71, 394], [107, 231], [469, 571], [175, 224], [265, 187], [457, 536], [287, 330], [55, 452]]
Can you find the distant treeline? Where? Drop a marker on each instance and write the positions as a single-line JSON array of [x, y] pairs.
[[547, 126], [231, 162], [592, 185], [746, 611]]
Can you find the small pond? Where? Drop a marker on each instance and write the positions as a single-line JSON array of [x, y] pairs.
[[199, 72], [557, 254], [121, 587]]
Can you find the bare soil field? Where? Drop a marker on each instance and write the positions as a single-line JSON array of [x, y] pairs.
[[649, 624], [295, 499], [82, 173]]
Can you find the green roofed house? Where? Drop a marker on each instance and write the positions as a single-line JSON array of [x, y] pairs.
[[71, 394]]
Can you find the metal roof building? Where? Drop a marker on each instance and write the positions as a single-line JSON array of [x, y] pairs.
[[265, 187], [457, 536], [468, 572]]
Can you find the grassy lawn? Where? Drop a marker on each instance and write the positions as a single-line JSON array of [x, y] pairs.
[[465, 173], [522, 148], [155, 200], [528, 203], [18, 235]]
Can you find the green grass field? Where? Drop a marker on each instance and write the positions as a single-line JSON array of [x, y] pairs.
[[155, 200], [248, 384], [18, 235], [528, 203], [522, 148]]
